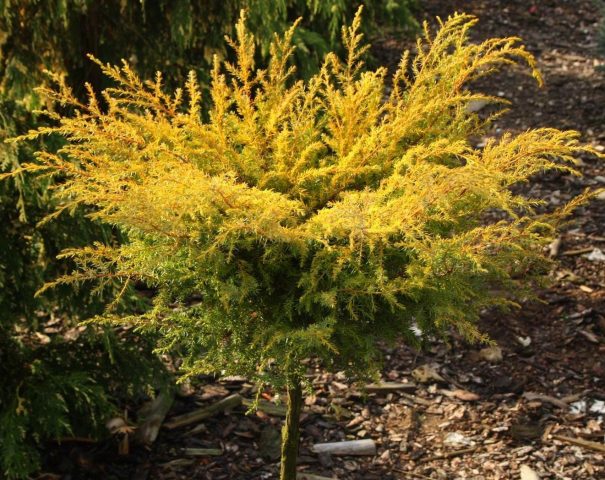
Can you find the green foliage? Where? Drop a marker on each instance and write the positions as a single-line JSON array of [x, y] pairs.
[[57, 387], [308, 218], [63, 388], [27, 250], [180, 35]]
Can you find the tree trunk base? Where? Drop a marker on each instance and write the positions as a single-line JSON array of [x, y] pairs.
[[291, 432]]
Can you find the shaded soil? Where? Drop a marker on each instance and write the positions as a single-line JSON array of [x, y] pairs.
[[482, 420]]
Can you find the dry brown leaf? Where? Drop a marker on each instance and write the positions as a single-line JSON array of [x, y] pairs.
[[464, 395]]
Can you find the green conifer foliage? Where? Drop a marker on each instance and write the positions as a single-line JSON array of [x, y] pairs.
[[54, 384], [178, 34], [309, 218]]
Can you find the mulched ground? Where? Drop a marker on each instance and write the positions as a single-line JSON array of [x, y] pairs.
[[476, 418]]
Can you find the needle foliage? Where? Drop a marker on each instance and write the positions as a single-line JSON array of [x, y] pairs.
[[178, 34], [309, 218], [57, 380], [296, 219]]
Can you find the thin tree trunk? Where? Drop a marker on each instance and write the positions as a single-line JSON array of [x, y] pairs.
[[291, 432]]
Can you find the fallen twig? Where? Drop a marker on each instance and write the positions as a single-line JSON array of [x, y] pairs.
[[202, 452], [591, 337], [578, 251], [454, 453], [152, 416], [386, 387], [266, 407], [598, 447], [231, 401], [353, 447], [531, 396]]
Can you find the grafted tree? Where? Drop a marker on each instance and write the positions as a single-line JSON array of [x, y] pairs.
[[307, 218]]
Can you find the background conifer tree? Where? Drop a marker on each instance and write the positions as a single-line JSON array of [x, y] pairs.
[[311, 218]]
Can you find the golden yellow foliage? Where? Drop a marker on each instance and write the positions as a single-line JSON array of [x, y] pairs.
[[308, 218]]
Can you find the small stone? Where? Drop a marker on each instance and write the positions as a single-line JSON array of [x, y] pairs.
[[491, 354], [527, 473], [457, 439], [597, 254]]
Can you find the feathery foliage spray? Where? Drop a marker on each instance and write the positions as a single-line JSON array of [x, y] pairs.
[[310, 219]]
